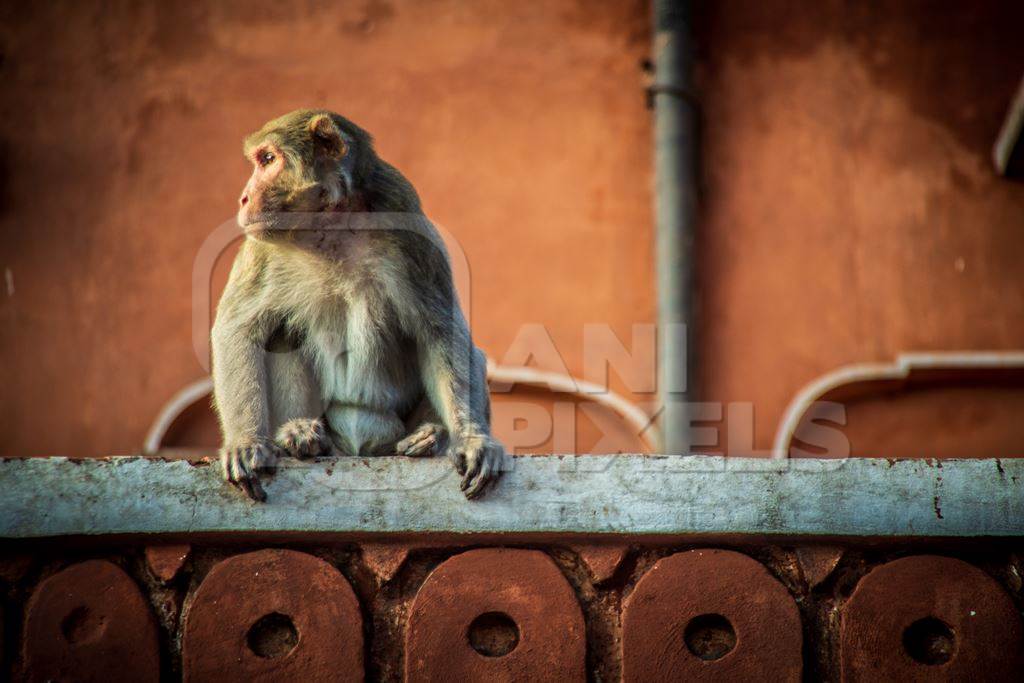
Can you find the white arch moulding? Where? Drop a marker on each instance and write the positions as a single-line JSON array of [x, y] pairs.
[[905, 365]]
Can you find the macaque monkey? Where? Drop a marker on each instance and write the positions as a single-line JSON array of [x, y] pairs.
[[340, 329]]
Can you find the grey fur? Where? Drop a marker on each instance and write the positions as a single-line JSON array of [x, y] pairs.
[[340, 326]]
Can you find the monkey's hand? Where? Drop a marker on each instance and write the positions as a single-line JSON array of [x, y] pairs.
[[478, 458], [243, 461], [427, 439], [304, 438]]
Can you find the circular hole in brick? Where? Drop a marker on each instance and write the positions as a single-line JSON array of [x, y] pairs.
[[929, 641], [493, 634], [709, 636], [82, 625], [272, 636]]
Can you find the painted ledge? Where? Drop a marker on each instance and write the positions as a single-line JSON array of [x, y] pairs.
[[625, 494]]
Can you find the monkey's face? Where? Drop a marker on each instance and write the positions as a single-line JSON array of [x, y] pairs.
[[303, 165]]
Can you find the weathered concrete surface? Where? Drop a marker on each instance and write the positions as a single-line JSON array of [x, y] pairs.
[[588, 495]]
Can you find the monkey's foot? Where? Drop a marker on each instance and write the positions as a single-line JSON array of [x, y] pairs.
[[479, 459], [427, 439], [304, 438], [244, 461]]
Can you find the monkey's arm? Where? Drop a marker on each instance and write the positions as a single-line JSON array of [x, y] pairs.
[[454, 376], [240, 386]]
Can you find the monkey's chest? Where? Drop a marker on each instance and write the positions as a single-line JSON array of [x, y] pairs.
[[359, 359]]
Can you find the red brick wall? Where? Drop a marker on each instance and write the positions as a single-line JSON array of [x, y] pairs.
[[421, 609]]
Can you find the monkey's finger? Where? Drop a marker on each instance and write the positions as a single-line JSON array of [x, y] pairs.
[[317, 446], [235, 468], [225, 466], [242, 477], [264, 459], [250, 484], [474, 468], [251, 487], [458, 459], [417, 441], [254, 489], [319, 432], [478, 486], [420, 445], [238, 473], [243, 485], [409, 439]]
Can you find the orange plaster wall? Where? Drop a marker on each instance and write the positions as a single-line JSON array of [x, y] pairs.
[[522, 125], [849, 210]]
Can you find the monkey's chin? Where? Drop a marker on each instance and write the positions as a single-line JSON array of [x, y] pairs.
[[257, 229]]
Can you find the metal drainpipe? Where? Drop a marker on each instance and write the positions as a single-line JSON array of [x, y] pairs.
[[675, 190]]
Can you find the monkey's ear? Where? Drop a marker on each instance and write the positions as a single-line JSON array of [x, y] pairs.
[[326, 137]]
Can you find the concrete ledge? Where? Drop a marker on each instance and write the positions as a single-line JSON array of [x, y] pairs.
[[626, 494]]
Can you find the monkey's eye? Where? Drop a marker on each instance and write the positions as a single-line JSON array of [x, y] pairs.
[[265, 158]]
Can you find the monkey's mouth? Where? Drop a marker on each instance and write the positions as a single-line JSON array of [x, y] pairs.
[[265, 224]]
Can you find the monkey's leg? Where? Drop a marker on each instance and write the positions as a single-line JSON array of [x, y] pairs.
[[296, 408], [427, 437]]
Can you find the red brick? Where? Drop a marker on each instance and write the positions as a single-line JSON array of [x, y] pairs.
[[90, 622], [680, 590], [165, 561], [384, 559], [987, 635], [817, 562], [523, 585], [601, 560], [14, 567], [248, 590]]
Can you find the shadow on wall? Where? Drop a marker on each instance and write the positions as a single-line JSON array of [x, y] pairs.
[[982, 52]]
